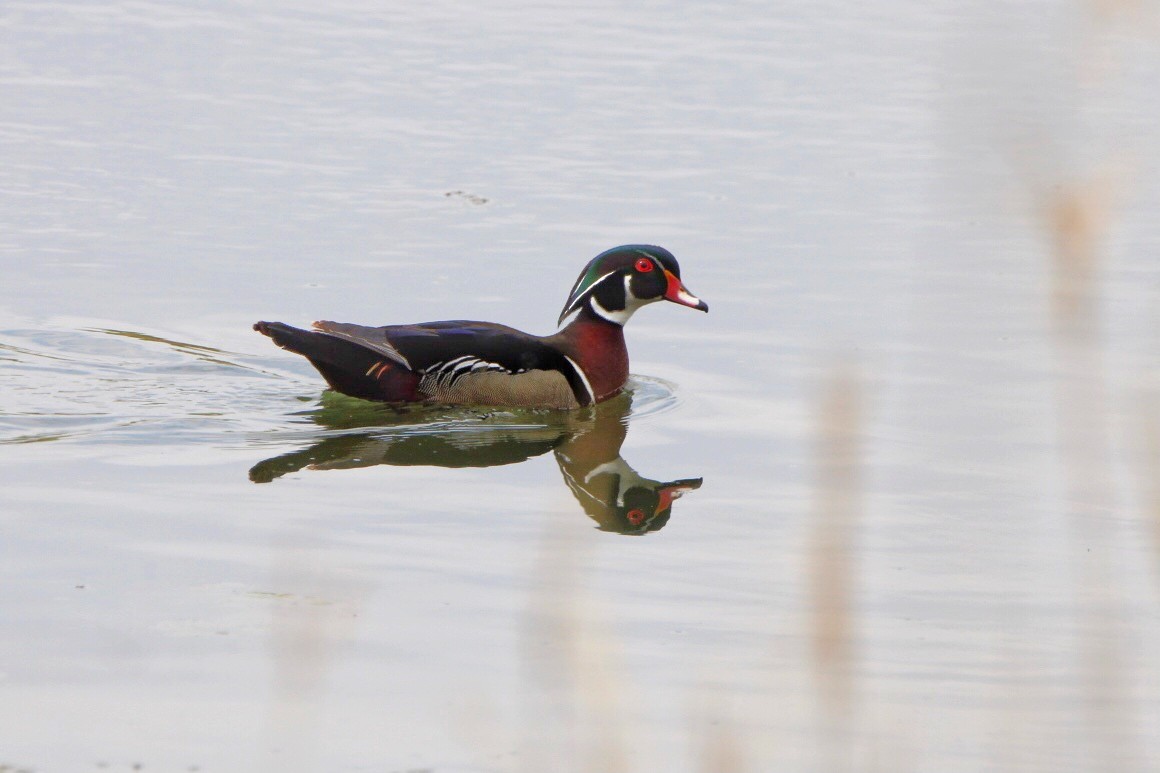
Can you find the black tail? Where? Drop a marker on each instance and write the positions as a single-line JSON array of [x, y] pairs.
[[345, 365]]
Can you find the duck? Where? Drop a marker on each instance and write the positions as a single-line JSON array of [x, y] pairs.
[[586, 444], [464, 362]]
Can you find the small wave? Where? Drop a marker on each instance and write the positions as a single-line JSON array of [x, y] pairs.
[[651, 396], [86, 384], [115, 385]]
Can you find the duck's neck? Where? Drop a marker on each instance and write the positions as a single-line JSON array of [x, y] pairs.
[[597, 346]]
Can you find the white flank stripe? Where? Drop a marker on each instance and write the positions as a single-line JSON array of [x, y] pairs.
[[444, 374], [456, 361], [584, 379], [465, 365]]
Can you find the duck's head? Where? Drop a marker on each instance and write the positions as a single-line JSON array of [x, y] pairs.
[[619, 281]]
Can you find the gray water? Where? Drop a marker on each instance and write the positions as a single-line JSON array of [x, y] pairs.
[[918, 432]]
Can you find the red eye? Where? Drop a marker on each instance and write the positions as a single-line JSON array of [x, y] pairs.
[[636, 517], [644, 265]]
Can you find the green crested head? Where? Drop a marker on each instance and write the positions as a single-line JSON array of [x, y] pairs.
[[617, 282]]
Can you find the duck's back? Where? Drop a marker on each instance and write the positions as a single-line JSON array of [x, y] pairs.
[[459, 362]]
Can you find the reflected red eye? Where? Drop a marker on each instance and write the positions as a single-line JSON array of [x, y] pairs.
[[635, 517], [644, 265]]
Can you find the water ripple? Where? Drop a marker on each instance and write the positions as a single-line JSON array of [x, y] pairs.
[[121, 386]]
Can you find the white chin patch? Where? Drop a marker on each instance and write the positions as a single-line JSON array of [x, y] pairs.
[[620, 316]]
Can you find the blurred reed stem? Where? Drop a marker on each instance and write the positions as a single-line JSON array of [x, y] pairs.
[[831, 557]]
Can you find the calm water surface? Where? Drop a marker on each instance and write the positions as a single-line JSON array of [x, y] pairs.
[[914, 442]]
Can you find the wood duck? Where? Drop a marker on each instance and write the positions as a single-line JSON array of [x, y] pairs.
[[611, 492], [482, 363], [586, 445]]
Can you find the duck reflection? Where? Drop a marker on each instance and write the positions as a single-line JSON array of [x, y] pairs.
[[586, 445]]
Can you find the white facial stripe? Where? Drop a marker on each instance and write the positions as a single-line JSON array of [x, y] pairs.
[[568, 317], [576, 301], [616, 317], [583, 379], [600, 469], [598, 281], [629, 479], [587, 289], [631, 304], [628, 293]]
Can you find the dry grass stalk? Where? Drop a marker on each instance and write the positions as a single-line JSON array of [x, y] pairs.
[[304, 633], [1135, 12], [575, 717], [1150, 470], [1077, 222], [831, 555]]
